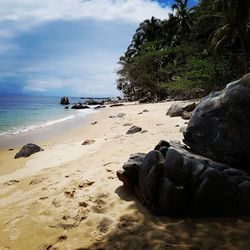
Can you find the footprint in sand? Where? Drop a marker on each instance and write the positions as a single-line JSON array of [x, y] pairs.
[[99, 203], [11, 182], [36, 181], [62, 237], [85, 183], [83, 204], [69, 194], [105, 225], [57, 203], [12, 227]]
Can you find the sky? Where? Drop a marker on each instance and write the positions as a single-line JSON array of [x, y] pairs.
[[68, 47]]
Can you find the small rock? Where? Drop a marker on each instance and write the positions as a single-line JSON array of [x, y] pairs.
[[176, 109], [88, 142], [117, 105], [67, 107], [133, 130], [11, 149], [140, 113], [112, 116], [120, 115], [177, 125], [145, 110], [28, 150], [100, 107], [93, 123]]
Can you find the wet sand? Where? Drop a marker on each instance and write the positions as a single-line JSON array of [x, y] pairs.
[[68, 196]]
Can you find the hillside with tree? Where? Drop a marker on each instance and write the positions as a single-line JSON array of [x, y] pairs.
[[190, 53]]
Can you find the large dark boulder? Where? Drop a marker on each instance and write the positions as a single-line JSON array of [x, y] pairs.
[[28, 150], [181, 183], [220, 125], [64, 101]]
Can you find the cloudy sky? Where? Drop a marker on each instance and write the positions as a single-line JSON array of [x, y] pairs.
[[68, 47]]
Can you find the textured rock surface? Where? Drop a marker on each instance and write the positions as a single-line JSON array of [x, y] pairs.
[[28, 150], [177, 109], [220, 125], [172, 181]]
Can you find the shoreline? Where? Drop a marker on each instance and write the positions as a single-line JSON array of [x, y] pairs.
[[68, 196], [45, 132]]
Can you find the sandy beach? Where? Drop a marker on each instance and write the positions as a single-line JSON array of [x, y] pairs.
[[68, 196]]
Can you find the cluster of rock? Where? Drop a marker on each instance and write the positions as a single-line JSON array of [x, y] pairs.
[[210, 176], [113, 102], [98, 105]]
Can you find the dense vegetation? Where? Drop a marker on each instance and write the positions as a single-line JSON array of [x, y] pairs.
[[190, 53]]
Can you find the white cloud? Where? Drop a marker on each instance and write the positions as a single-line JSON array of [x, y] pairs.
[[47, 10], [44, 74], [95, 85]]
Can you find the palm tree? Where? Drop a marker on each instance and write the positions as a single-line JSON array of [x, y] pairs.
[[234, 25], [150, 29], [183, 13], [169, 28]]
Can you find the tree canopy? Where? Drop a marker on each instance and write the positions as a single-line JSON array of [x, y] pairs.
[[190, 53]]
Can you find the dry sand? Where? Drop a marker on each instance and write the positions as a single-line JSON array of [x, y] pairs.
[[68, 197]]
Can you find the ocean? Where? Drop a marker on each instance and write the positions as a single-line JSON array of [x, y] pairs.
[[24, 114]]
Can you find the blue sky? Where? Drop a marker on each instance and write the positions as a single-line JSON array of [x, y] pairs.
[[68, 47]]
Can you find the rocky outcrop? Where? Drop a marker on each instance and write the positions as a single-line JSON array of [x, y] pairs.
[[170, 180], [210, 176], [28, 150], [93, 102], [220, 125], [64, 101], [79, 106]]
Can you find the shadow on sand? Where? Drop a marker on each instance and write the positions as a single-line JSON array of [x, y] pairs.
[[138, 229]]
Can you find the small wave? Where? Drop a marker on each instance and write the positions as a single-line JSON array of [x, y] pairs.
[[16, 131]]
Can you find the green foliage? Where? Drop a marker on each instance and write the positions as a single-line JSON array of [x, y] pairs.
[[180, 55]]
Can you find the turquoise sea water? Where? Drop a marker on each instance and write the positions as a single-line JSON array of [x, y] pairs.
[[22, 114]]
